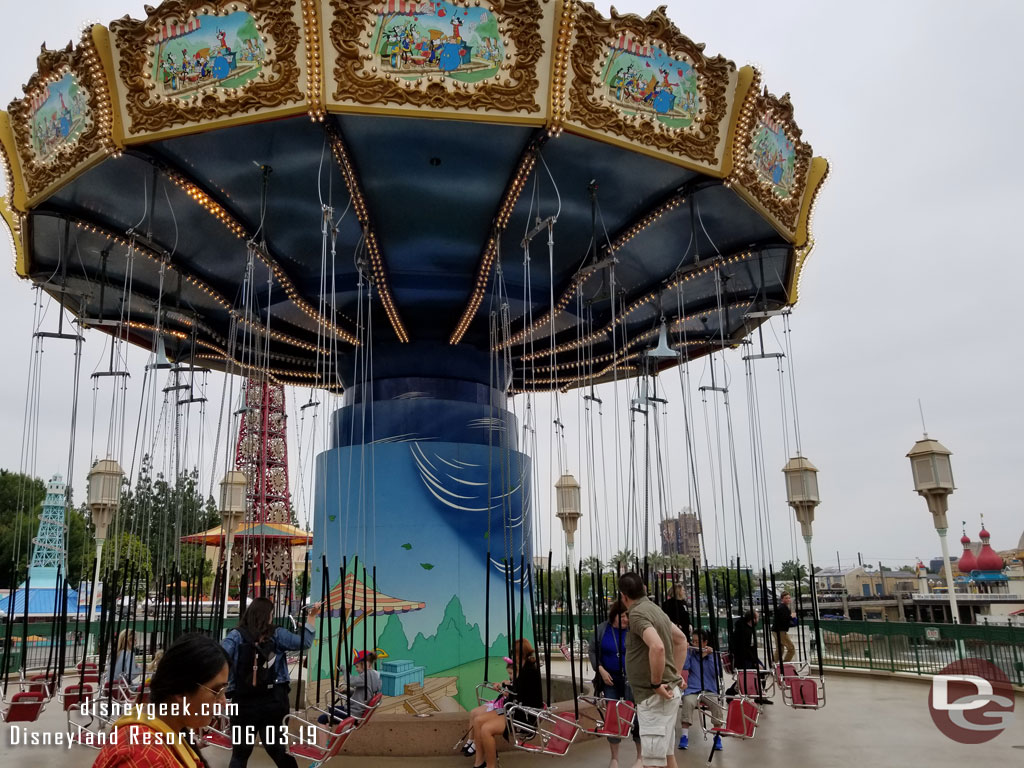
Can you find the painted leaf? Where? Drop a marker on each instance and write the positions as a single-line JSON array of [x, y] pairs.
[[427, 566], [407, 546]]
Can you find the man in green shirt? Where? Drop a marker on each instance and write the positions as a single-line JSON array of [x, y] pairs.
[[654, 648]]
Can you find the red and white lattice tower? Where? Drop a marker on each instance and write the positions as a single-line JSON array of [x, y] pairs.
[[262, 453]]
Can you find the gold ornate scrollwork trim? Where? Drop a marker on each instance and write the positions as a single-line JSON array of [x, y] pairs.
[[805, 238], [70, 157], [149, 113], [699, 145], [514, 93], [783, 211], [311, 24]]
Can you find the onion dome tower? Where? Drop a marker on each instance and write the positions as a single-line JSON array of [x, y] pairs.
[[988, 559], [967, 562]]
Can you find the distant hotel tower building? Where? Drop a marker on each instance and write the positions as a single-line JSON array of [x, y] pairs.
[[681, 536]]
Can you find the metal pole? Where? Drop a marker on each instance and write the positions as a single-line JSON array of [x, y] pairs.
[[950, 585], [227, 570], [95, 587]]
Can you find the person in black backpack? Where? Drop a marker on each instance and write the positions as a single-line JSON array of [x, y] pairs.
[[259, 680]]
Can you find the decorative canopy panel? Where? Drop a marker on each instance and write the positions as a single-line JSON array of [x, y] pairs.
[[233, 175]]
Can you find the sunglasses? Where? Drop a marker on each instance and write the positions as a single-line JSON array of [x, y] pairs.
[[220, 690]]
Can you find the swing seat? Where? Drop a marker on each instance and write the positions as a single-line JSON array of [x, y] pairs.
[[616, 717], [44, 684], [555, 732], [74, 695], [24, 707], [336, 739], [366, 710], [749, 683], [217, 733], [740, 719]]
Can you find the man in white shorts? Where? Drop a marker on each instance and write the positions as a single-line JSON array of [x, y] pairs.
[[653, 646]]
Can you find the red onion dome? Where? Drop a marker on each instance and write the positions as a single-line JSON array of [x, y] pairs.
[[988, 560], [984, 535], [967, 562]]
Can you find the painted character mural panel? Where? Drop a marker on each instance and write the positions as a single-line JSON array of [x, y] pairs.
[[58, 116], [415, 39], [220, 51], [773, 155], [644, 79]]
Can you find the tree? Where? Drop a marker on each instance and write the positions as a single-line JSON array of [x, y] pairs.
[[622, 561], [127, 555], [791, 571]]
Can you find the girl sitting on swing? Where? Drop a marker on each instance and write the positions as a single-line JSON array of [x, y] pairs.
[[525, 690]]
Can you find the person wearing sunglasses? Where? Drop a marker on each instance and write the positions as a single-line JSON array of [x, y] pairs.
[[186, 691]]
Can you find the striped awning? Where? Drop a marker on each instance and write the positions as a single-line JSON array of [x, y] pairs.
[[247, 530], [360, 600], [630, 45], [40, 98], [409, 7], [171, 31]]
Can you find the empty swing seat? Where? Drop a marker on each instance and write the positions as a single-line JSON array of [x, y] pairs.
[[616, 717], [218, 733], [43, 684], [740, 720], [74, 695], [24, 707], [540, 731], [314, 752]]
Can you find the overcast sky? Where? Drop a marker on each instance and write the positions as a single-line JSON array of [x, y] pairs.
[[911, 292]]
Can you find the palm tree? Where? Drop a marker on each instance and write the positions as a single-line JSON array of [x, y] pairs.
[[622, 560], [592, 564]]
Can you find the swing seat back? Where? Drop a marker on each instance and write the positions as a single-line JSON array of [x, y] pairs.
[[24, 707], [804, 693], [748, 682], [740, 720], [618, 719], [43, 684], [75, 694], [368, 709]]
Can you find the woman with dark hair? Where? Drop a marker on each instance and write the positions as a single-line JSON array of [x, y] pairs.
[[525, 690], [607, 652], [259, 679], [187, 689]]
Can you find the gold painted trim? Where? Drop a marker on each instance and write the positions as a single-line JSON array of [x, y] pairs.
[[10, 217], [496, 118], [101, 42], [558, 101], [746, 78], [11, 162], [312, 32], [815, 178], [258, 117], [657, 154]]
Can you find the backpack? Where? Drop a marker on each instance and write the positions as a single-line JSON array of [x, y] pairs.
[[254, 664]]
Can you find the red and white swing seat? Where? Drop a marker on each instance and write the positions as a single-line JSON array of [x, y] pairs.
[[23, 707], [615, 717], [318, 755], [540, 731], [740, 718], [800, 689]]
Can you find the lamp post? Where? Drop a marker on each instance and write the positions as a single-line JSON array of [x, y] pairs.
[[802, 495], [933, 479], [103, 497], [232, 510], [568, 511]]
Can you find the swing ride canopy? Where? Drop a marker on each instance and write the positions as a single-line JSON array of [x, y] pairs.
[[413, 144]]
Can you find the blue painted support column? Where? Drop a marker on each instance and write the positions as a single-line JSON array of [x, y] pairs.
[[436, 479]]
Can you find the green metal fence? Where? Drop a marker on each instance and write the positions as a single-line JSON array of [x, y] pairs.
[[915, 648], [921, 649]]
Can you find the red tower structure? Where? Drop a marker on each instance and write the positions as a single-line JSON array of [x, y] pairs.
[[262, 453]]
